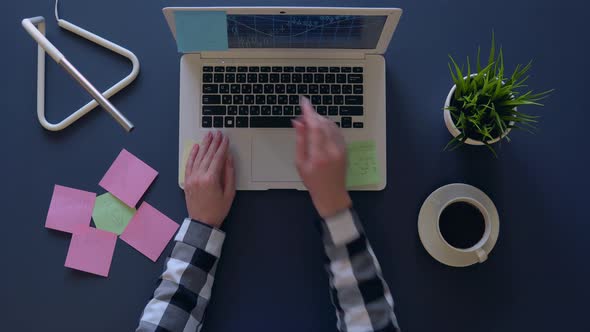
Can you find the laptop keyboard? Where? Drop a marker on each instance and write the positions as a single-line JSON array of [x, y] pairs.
[[268, 96]]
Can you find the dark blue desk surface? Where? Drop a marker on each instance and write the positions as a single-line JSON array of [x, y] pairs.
[[271, 276]]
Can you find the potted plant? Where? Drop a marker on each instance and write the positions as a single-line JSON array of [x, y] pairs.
[[482, 106]]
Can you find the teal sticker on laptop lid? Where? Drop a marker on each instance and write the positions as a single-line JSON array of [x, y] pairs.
[[201, 31]]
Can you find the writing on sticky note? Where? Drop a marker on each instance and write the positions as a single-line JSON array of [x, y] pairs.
[[201, 31], [363, 167], [188, 146], [69, 208], [91, 250], [110, 214]]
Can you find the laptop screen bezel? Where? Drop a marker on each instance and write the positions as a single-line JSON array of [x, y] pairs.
[[393, 16]]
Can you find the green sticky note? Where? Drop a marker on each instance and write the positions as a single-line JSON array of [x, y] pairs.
[[363, 167], [110, 214], [201, 30]]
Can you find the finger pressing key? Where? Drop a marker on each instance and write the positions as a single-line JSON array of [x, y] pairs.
[[202, 151]]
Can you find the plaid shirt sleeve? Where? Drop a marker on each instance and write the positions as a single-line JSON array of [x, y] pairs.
[[184, 288], [359, 293]]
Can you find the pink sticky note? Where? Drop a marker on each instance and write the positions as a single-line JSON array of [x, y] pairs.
[[91, 250], [128, 178], [149, 231], [69, 208]]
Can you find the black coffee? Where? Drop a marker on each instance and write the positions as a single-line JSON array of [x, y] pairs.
[[462, 225]]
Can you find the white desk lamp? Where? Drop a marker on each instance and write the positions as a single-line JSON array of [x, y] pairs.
[[35, 26]]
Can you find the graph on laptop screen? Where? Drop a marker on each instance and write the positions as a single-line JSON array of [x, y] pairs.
[[304, 31]]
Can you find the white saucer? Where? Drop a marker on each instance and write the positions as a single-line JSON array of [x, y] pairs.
[[429, 231]]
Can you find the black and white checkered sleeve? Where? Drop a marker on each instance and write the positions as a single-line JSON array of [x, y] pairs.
[[360, 295], [184, 288]]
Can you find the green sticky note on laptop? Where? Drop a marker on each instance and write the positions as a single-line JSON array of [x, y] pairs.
[[363, 167], [201, 30]]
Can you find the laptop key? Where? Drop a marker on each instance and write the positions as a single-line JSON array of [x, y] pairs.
[[357, 69], [355, 78], [293, 99], [230, 78], [253, 69], [242, 121], [257, 88], [235, 88], [238, 99], [302, 89], [285, 78], [223, 88], [230, 69], [341, 78], [288, 110], [211, 99], [323, 69], [357, 125], [288, 69], [296, 78], [314, 89], [218, 122], [346, 122], [334, 69], [318, 78], [265, 69], [347, 89], [219, 69], [243, 110], [351, 110], [269, 88], [263, 78], [241, 78], [339, 100], [280, 88], [207, 78], [229, 122], [265, 110], [271, 99], [283, 99], [299, 69], [297, 110], [346, 69], [207, 69], [274, 78], [330, 78], [206, 122], [249, 99], [324, 89], [246, 88], [327, 100], [277, 69], [335, 89], [322, 110], [353, 100], [312, 69], [226, 99], [260, 99], [254, 110], [232, 110], [218, 78], [358, 89], [291, 88], [213, 110], [316, 99], [271, 121], [210, 88], [242, 69], [252, 78], [332, 110], [307, 78], [277, 110]]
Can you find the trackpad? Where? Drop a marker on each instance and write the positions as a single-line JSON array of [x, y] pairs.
[[273, 157]]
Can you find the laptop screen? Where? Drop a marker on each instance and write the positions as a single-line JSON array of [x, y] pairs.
[[304, 31]]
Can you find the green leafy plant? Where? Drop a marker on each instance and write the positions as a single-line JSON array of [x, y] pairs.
[[484, 105]]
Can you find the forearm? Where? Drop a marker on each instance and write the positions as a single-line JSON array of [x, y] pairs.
[[360, 295], [184, 289]]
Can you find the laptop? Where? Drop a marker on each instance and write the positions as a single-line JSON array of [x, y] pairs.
[[251, 90]]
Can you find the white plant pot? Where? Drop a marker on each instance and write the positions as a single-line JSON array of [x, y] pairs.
[[455, 131]]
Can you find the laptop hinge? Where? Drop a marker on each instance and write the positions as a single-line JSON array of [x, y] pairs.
[[288, 54]]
